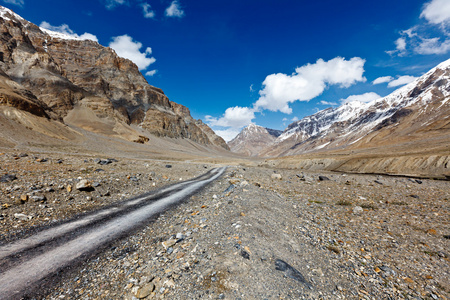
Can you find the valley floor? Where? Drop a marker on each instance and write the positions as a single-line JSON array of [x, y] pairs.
[[249, 235]]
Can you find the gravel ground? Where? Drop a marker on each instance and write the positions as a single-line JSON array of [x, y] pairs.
[[256, 233]]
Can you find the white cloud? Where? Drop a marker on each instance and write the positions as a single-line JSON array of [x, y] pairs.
[[174, 10], [251, 88], [294, 119], [15, 2], [402, 80], [401, 44], [228, 134], [433, 46], [383, 79], [328, 103], [365, 98], [148, 12], [65, 30], [151, 73], [308, 82], [127, 48], [110, 4], [235, 117], [437, 11], [418, 40]]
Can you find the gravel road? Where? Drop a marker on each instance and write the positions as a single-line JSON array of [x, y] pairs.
[[254, 233]]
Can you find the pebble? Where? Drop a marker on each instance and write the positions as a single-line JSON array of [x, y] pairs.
[[357, 210], [22, 217], [83, 185], [323, 178], [169, 243], [276, 176], [145, 291], [8, 178]]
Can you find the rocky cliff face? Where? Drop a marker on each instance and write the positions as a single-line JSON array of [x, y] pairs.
[[49, 75], [252, 139]]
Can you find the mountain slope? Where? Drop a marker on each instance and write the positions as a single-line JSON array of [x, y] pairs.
[[415, 112], [50, 75], [252, 139]]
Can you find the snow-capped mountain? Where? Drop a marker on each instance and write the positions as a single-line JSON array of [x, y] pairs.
[[415, 112], [252, 139]]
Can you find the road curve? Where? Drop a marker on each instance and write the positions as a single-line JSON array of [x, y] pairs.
[[26, 262]]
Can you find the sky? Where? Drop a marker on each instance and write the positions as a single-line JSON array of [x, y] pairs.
[[267, 62]]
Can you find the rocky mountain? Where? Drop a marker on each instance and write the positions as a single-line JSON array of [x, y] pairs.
[[415, 113], [252, 139], [59, 77]]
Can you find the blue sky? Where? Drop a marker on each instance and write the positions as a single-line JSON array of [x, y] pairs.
[[267, 61]]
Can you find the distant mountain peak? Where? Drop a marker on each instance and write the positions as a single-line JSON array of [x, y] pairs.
[[253, 139]]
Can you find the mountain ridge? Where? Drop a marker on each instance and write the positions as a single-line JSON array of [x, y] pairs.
[[49, 75]]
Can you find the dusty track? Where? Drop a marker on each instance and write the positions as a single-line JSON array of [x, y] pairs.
[[28, 261]]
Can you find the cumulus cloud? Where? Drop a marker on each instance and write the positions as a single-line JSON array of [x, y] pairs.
[[235, 117], [148, 12], [15, 2], [328, 103], [308, 82], [126, 47], [174, 10], [402, 80], [151, 73], [383, 79], [437, 12], [365, 98], [228, 134], [65, 30]]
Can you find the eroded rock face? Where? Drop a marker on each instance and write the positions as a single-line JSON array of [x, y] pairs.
[[52, 75]]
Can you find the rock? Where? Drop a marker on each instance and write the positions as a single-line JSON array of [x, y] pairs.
[[8, 178], [245, 254], [291, 272], [168, 166], [357, 210], [105, 161], [145, 291], [276, 176], [244, 183], [418, 181], [301, 177], [69, 188], [379, 182], [169, 243], [38, 198], [22, 217], [234, 181], [84, 185], [24, 198], [323, 178], [230, 188]]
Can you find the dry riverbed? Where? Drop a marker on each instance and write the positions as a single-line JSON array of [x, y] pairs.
[[255, 233]]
